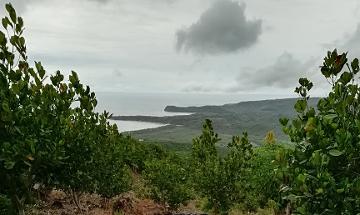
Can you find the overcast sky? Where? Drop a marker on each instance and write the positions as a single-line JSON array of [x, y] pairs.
[[208, 46]]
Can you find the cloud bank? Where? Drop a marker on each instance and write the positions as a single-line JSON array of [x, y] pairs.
[[223, 28], [284, 73]]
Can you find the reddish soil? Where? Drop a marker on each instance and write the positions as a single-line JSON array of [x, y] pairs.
[[58, 203]]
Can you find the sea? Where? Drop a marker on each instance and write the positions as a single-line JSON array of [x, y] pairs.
[[153, 104]]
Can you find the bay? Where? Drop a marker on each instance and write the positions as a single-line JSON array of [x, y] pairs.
[[153, 104]]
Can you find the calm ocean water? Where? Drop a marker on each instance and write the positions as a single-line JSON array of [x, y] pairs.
[[153, 104]]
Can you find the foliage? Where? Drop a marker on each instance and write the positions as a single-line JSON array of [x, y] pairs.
[[168, 179], [49, 131], [262, 179], [220, 180], [206, 167], [31, 116], [5, 205], [136, 154], [324, 166], [113, 177], [51, 135]]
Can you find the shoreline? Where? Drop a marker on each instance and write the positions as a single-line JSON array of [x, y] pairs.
[[126, 126]]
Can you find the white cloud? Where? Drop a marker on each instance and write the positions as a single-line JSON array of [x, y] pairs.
[[136, 37]]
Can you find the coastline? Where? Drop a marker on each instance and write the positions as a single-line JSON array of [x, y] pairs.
[[125, 126]]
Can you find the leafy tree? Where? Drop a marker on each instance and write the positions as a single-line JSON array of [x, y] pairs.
[[49, 131], [220, 180], [168, 179], [32, 115], [325, 163], [136, 154], [263, 183], [206, 167]]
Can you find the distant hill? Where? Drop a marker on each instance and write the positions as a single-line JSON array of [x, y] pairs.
[[255, 117]]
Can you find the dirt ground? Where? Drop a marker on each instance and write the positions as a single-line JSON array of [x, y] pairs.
[[58, 203]]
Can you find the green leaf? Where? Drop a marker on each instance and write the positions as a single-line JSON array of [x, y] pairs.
[[311, 112], [300, 105], [5, 107], [32, 146], [335, 152], [9, 165], [297, 124], [319, 191], [22, 41], [15, 88], [340, 190], [14, 40], [346, 77], [355, 65], [2, 38], [309, 86], [73, 78], [6, 22], [304, 82], [301, 178], [310, 124], [326, 71], [40, 69], [19, 25], [38, 66], [283, 121], [330, 117], [11, 12], [316, 158]]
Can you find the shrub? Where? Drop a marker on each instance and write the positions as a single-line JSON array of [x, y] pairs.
[[32, 116], [136, 154], [168, 180], [262, 178], [220, 180], [325, 163], [49, 131], [5, 205]]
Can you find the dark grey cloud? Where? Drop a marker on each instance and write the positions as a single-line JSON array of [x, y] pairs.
[[284, 73], [223, 28]]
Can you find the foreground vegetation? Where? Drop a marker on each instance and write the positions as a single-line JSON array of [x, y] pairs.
[[51, 137]]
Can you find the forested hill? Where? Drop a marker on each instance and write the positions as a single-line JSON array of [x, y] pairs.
[[255, 117]]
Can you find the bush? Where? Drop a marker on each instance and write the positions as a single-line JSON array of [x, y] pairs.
[[5, 205], [168, 180], [49, 131], [325, 163], [136, 154], [33, 116], [220, 180], [113, 175], [262, 178]]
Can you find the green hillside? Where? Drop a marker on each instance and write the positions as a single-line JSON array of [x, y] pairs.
[[255, 117]]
